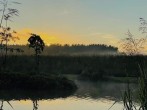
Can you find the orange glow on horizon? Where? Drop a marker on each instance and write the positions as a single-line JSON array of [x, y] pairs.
[[62, 38], [25, 34]]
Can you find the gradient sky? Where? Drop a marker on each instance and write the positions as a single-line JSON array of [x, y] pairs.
[[79, 21]]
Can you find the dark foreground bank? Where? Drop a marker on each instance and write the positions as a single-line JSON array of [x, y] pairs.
[[35, 82]]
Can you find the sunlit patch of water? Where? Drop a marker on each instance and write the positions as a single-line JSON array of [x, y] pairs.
[[70, 103]]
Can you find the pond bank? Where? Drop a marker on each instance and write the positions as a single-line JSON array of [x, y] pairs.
[[35, 82]]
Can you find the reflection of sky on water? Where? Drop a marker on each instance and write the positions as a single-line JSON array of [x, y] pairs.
[[71, 103], [89, 96]]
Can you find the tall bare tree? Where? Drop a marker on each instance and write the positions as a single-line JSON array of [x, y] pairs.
[[134, 46], [6, 33]]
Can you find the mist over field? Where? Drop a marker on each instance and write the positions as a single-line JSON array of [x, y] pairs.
[[72, 50]]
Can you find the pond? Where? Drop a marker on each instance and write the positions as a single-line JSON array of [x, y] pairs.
[[89, 96]]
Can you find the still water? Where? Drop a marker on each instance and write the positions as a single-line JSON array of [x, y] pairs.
[[89, 96]]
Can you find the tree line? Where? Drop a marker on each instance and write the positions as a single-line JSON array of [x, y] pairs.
[[58, 49]]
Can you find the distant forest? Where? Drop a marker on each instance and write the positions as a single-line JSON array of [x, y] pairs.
[[57, 49]]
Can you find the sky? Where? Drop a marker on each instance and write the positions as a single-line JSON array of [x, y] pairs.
[[78, 21]]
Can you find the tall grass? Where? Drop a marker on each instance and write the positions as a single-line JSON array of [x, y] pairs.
[[142, 81], [142, 93], [128, 99]]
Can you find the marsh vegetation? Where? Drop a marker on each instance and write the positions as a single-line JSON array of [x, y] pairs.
[[35, 72]]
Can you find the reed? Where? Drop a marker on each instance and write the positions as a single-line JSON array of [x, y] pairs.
[[142, 81], [141, 92], [128, 99]]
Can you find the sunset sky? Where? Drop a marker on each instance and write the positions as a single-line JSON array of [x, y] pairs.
[[78, 21]]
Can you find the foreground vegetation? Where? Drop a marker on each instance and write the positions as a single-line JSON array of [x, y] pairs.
[[34, 82], [93, 67]]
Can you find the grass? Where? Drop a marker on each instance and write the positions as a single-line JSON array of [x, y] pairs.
[[128, 99], [143, 88], [128, 94]]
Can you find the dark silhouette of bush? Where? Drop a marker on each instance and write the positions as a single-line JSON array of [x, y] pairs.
[[6, 33]]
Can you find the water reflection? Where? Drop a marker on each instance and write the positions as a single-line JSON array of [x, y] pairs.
[[90, 95], [35, 105], [70, 103], [2, 104], [1, 107], [8, 95], [34, 96], [99, 90]]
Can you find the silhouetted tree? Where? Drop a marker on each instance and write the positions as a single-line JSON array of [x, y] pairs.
[[6, 33], [143, 26], [37, 43], [132, 45]]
